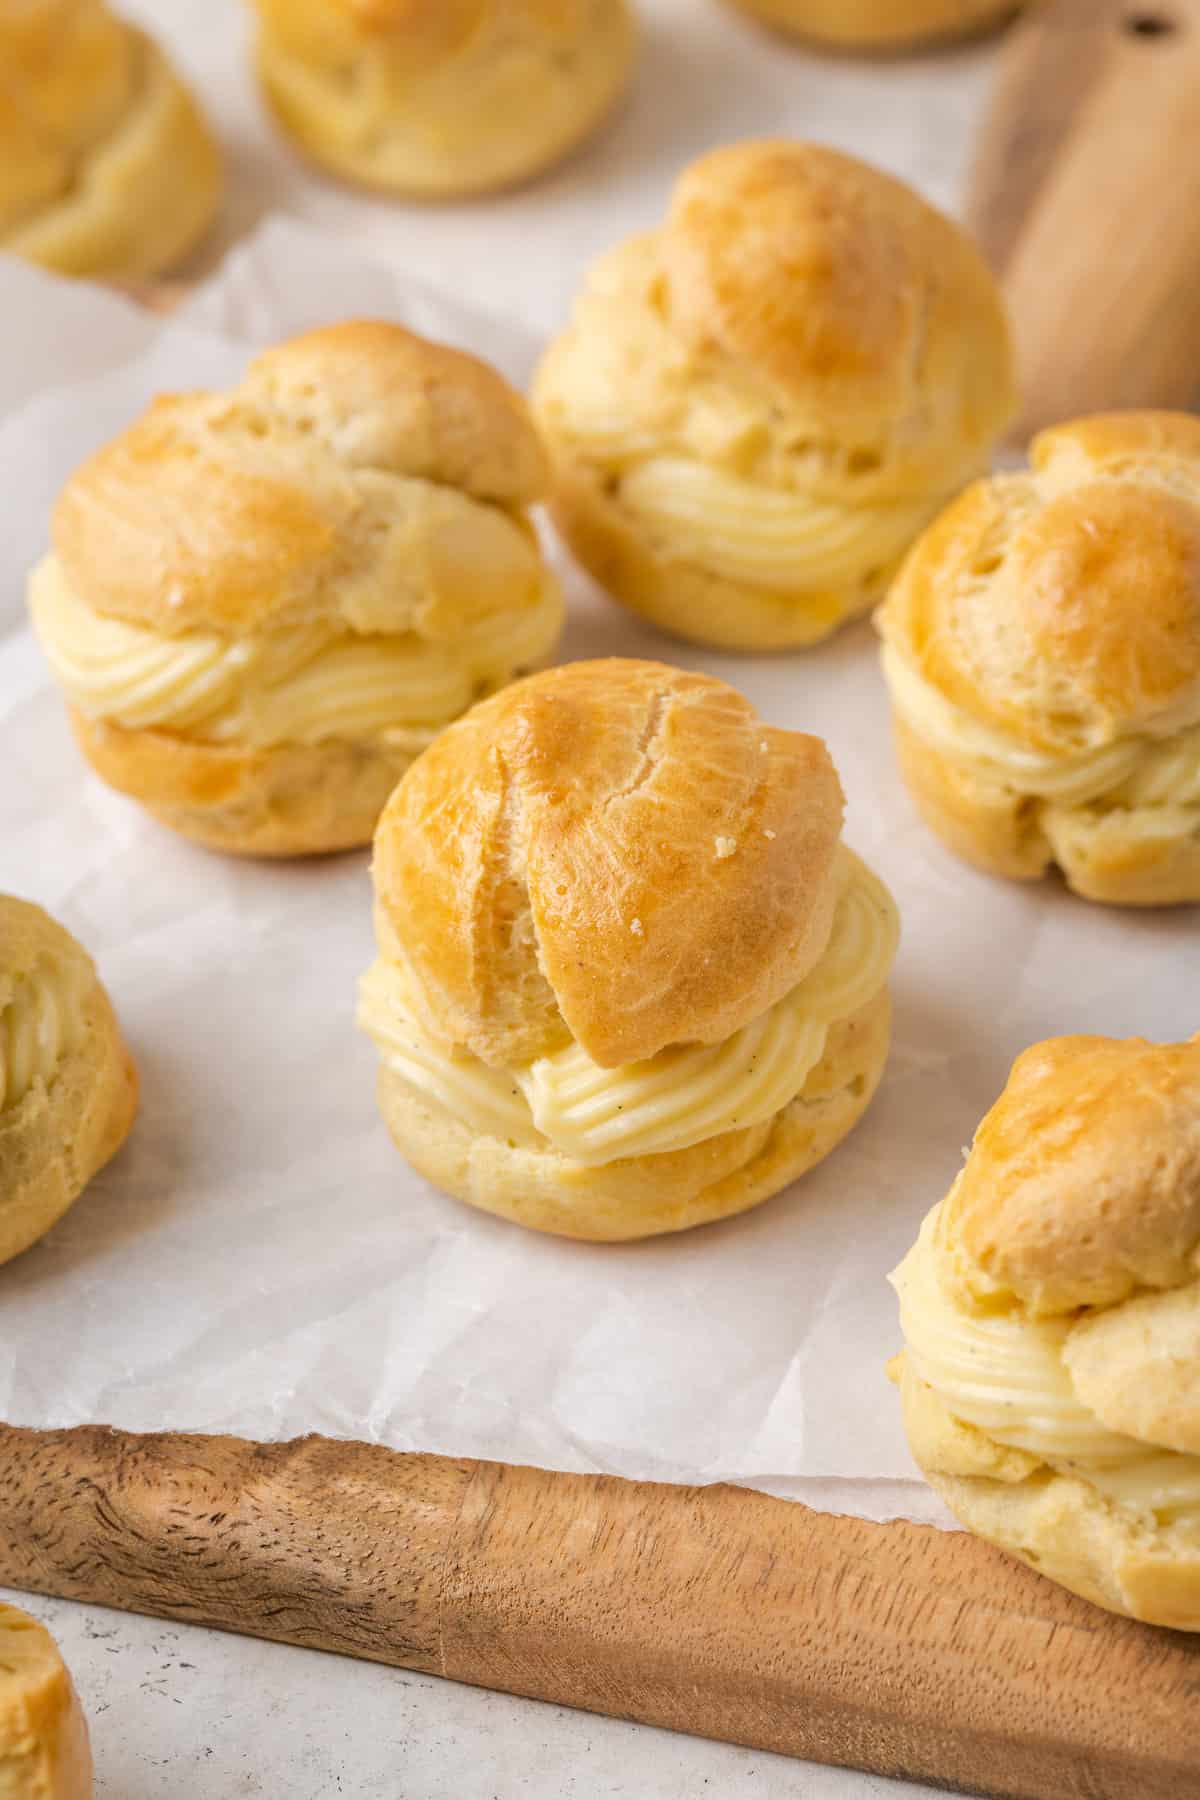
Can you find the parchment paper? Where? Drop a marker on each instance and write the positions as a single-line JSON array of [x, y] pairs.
[[259, 1259]]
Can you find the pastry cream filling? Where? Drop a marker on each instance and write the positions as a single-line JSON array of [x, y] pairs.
[[308, 685], [685, 1094], [40, 1023], [743, 531], [1134, 772], [1006, 1375]]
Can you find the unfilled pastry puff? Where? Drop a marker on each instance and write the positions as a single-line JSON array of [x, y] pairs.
[[68, 1087], [759, 406], [1051, 1317], [44, 1750], [263, 604], [629, 979], [106, 164], [1042, 648], [438, 98], [879, 24]]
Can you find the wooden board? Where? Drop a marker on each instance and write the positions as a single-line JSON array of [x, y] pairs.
[[711, 1610], [1086, 198]]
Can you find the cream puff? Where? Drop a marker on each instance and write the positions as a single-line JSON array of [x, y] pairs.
[[1051, 1317], [879, 24], [441, 98], [68, 1086], [107, 166], [261, 605], [44, 1749], [629, 978], [761, 404], [1042, 650]]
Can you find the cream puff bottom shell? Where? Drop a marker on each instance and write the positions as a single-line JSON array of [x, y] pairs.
[[648, 1195], [880, 24], [1056, 1522], [683, 598], [277, 800]]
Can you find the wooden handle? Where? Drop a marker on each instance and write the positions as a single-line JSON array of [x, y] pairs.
[[1086, 197], [712, 1610]]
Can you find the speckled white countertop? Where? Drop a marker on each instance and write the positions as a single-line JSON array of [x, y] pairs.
[[182, 1712]]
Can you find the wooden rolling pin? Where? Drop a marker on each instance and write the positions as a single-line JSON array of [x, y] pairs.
[[1086, 197], [717, 1611]]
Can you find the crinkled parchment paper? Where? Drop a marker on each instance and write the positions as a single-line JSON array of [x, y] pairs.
[[260, 1260]]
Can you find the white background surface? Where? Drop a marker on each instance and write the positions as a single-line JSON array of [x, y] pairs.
[[179, 1711]]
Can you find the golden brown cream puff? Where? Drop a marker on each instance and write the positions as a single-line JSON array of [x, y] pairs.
[[760, 405], [68, 1086], [1051, 1317], [629, 978], [107, 166], [439, 98], [44, 1750], [1042, 649], [880, 25], [262, 604]]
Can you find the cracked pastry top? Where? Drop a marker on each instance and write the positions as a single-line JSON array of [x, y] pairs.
[[1051, 1318], [629, 978], [1042, 649], [68, 1086], [262, 604], [438, 98], [758, 406], [107, 166], [879, 24]]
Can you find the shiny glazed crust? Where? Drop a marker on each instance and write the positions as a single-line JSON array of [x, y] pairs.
[[107, 166], [289, 800], [646, 1196], [879, 24], [442, 98], [616, 850], [1083, 1183], [55, 1139], [804, 325]]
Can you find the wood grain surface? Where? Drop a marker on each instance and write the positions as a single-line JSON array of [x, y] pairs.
[[711, 1610], [1086, 197]]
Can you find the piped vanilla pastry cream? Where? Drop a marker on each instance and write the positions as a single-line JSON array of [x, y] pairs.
[[759, 406], [107, 166], [44, 1750], [1051, 1317], [629, 979], [261, 605], [1042, 650], [68, 1087], [875, 25], [438, 98]]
